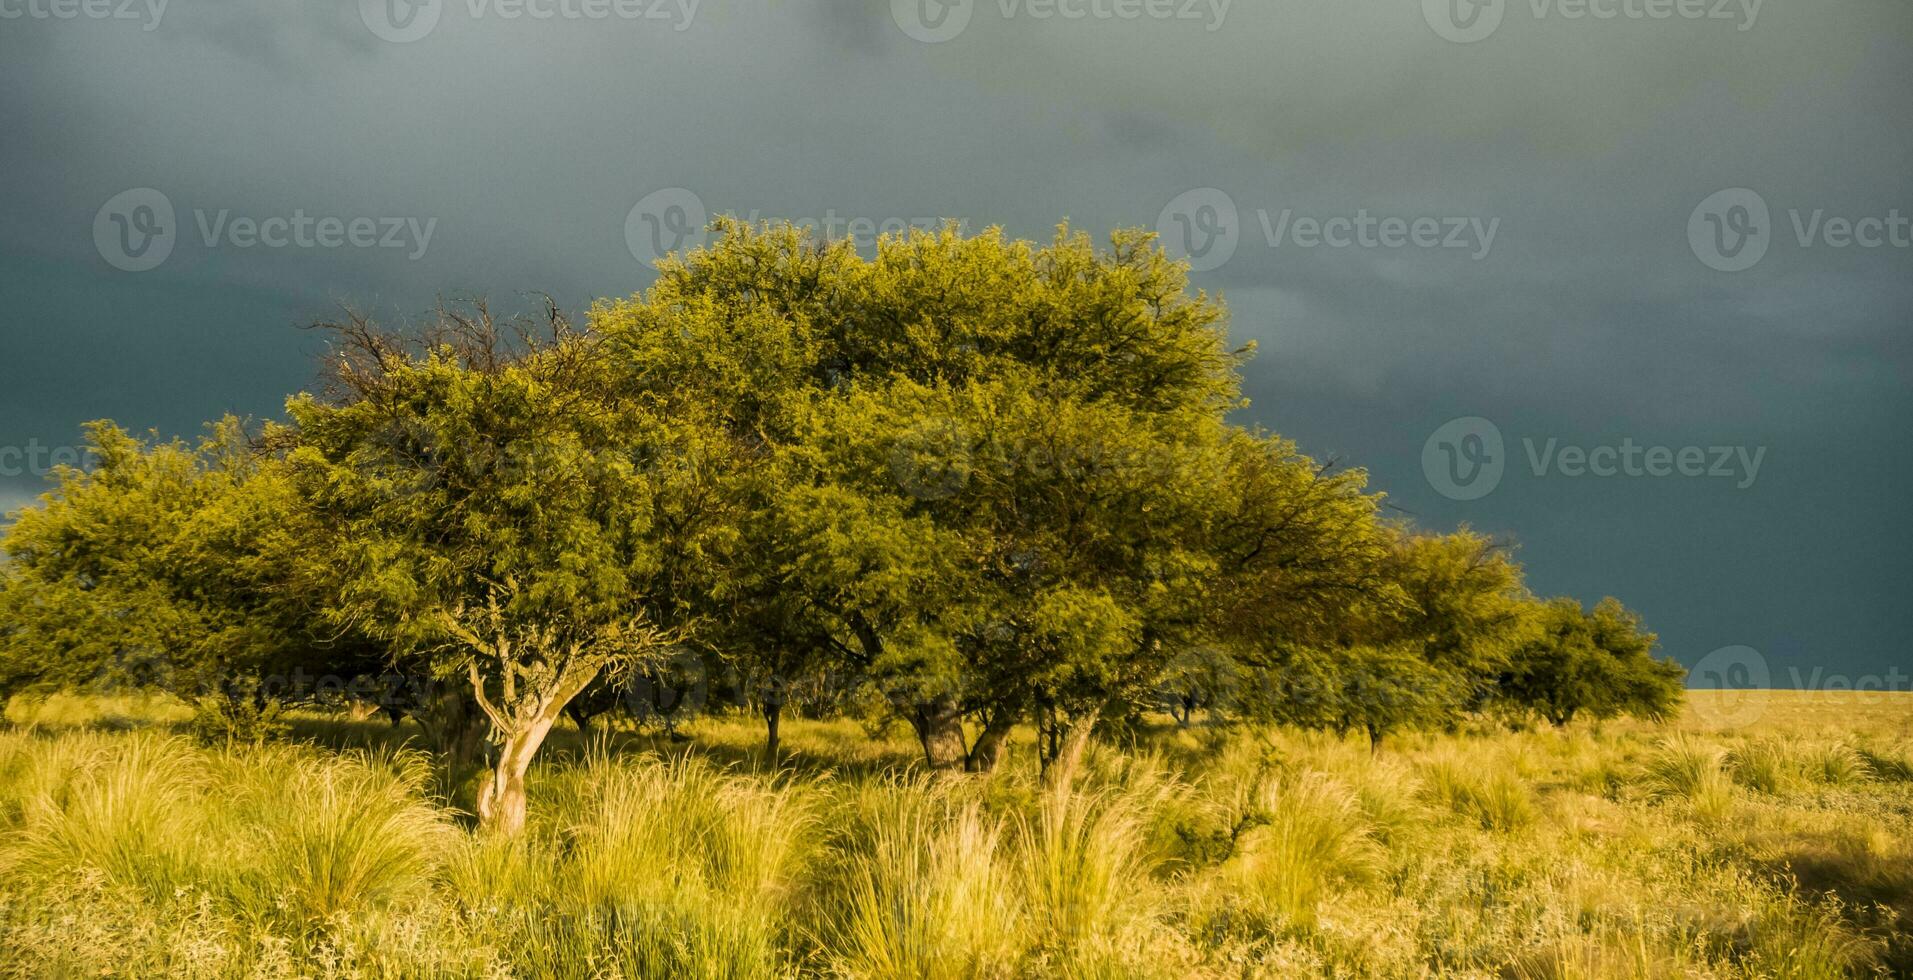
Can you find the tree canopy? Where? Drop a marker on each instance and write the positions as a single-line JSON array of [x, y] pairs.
[[988, 482]]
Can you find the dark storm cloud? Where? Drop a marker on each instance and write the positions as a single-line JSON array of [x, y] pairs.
[[1585, 143]]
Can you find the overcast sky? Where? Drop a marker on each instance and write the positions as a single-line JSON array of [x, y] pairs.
[[1422, 212]]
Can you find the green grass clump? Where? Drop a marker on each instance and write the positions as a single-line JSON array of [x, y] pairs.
[[314, 837], [1888, 765], [1495, 798], [1836, 764], [124, 809], [1306, 834], [1767, 765], [1689, 769], [919, 889]]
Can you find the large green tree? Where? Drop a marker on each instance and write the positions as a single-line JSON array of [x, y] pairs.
[[974, 442], [502, 515]]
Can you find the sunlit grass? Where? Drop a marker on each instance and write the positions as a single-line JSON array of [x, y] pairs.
[[1778, 848]]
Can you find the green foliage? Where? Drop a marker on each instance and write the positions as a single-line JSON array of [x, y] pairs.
[[991, 477], [1496, 799], [1597, 663], [168, 566], [969, 483], [499, 515], [1304, 837], [237, 720]]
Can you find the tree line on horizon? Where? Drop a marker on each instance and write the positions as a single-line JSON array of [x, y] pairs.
[[967, 484]]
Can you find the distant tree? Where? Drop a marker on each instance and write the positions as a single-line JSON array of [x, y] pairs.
[[1598, 663], [170, 566], [1467, 608]]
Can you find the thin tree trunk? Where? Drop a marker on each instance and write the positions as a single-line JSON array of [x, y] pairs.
[[988, 750], [1060, 775], [773, 711], [939, 727], [501, 795]]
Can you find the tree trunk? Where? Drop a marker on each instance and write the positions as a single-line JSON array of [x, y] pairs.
[[501, 795], [773, 711], [1073, 744], [988, 750], [580, 716], [519, 731], [454, 726], [939, 727]]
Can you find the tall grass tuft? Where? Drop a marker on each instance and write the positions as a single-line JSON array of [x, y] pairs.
[[1836, 764], [1303, 835], [676, 868], [125, 808], [1495, 798], [1083, 869], [1766, 765], [1888, 765], [1689, 769], [918, 891], [317, 837]]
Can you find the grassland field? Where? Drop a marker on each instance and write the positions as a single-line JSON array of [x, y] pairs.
[[1760, 835]]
